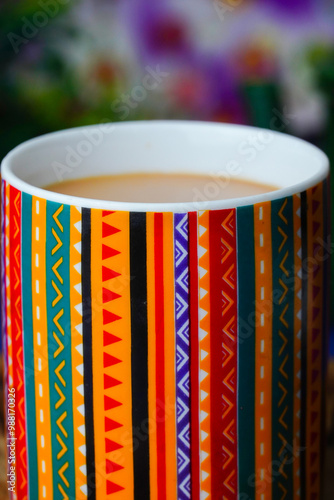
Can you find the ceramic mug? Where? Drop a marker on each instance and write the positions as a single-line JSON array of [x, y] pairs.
[[165, 351]]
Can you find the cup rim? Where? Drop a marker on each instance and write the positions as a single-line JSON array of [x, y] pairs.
[[14, 180]]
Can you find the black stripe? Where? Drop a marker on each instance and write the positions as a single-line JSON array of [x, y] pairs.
[[87, 350], [139, 355], [246, 350], [304, 347]]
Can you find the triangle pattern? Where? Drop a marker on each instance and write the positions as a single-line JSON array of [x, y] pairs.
[[108, 295], [110, 425], [110, 403], [108, 274], [112, 467], [105, 213], [109, 317], [315, 206], [108, 252], [110, 381], [113, 488], [108, 230], [111, 355], [109, 338], [109, 360], [111, 445]]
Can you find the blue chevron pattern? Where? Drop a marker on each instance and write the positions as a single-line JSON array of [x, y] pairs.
[[182, 354]]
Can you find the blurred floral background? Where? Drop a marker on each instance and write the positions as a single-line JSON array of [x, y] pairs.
[[268, 63]]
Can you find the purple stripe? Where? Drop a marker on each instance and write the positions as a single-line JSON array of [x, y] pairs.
[[182, 354]]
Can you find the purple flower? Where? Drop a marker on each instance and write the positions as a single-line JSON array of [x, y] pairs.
[[298, 7]]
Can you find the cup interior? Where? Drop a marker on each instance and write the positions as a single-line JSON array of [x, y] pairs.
[[226, 151]]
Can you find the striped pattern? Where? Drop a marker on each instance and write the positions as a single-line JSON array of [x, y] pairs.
[[224, 369], [263, 350], [297, 341], [111, 354], [194, 354], [9, 328], [28, 338], [166, 356], [182, 354], [170, 361], [246, 349], [60, 351], [205, 355], [17, 339], [283, 345], [315, 326], [78, 389], [43, 387]]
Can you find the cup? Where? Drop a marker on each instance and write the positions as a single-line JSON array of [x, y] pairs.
[[165, 350]]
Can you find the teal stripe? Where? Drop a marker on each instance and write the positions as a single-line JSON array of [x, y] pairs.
[[28, 341], [283, 347], [246, 351], [53, 309]]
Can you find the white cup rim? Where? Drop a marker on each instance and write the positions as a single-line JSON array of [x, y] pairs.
[[296, 164]]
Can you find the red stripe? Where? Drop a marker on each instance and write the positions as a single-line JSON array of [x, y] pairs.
[[194, 356], [223, 283], [17, 339], [160, 355]]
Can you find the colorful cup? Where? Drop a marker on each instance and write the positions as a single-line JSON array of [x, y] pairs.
[[165, 351]]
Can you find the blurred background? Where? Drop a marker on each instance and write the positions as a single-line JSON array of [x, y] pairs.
[[268, 63]]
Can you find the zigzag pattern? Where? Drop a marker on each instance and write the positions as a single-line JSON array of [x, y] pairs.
[[229, 355], [77, 354], [297, 337], [204, 335], [59, 353], [17, 338], [283, 333], [182, 354], [315, 329]]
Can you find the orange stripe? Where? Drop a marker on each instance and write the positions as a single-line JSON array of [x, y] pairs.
[[118, 477], [151, 356], [204, 333], [170, 376], [297, 342], [263, 349], [42, 387]]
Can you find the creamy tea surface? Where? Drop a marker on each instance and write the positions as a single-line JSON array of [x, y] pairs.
[[159, 188]]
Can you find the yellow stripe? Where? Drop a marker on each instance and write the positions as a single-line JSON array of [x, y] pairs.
[[41, 363], [121, 350], [170, 377], [77, 356], [263, 349], [297, 342], [151, 355]]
